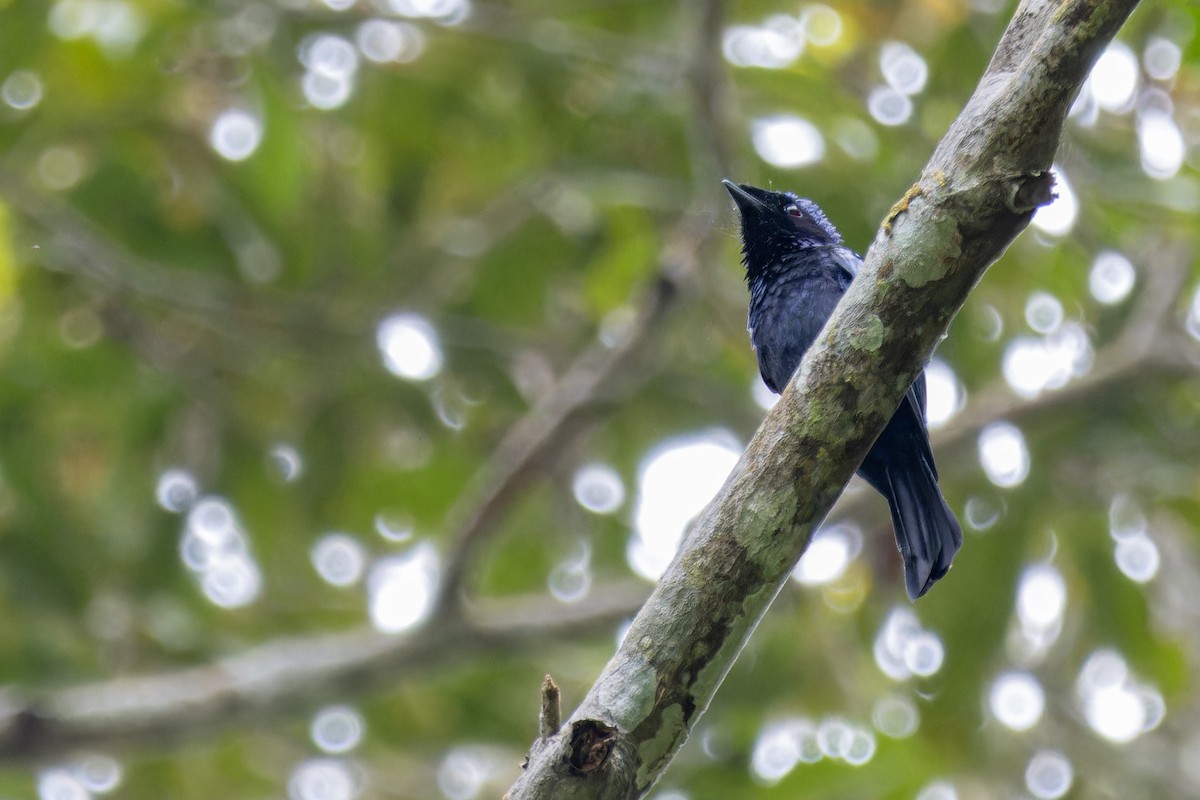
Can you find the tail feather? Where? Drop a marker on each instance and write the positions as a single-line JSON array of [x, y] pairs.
[[927, 532]]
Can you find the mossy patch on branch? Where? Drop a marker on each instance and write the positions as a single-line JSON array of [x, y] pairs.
[[933, 258], [868, 336]]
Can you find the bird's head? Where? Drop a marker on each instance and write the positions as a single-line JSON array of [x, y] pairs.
[[778, 224]]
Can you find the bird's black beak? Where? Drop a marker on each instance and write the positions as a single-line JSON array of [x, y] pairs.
[[747, 204]]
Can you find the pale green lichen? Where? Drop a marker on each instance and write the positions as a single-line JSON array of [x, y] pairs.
[[932, 262], [868, 336], [630, 700], [766, 511]]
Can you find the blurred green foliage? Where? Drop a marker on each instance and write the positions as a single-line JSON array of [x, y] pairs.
[[518, 174]]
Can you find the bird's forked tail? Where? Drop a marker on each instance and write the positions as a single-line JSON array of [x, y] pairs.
[[927, 532]]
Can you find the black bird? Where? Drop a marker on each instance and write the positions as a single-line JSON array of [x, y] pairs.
[[798, 268]]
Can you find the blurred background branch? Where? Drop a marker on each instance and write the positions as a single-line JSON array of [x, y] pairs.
[[280, 675]]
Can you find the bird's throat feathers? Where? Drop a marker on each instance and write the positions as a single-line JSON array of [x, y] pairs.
[[779, 258]]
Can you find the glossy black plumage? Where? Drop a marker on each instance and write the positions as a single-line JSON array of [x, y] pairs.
[[798, 268]]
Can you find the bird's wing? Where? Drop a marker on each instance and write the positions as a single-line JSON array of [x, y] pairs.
[[915, 398], [787, 313], [848, 260], [913, 407], [788, 319]]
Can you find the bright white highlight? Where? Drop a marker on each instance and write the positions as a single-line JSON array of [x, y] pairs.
[[1114, 79], [286, 461], [828, 554], [1058, 218], [1017, 700], [1084, 110], [409, 346], [822, 24], [991, 327], [1041, 604], [841, 739], [1043, 312], [903, 68], [787, 141], [764, 397], [331, 64], [1126, 518], [1003, 454], [571, 579], [1116, 714], [896, 717], [945, 396], [326, 92], [888, 106], [337, 729], [904, 649], [339, 559], [97, 773], [466, 770], [394, 527], [235, 135], [21, 90], [1034, 364], [400, 589], [1041, 597], [60, 784], [176, 490], [1049, 775], [775, 44], [445, 12], [1115, 705], [599, 488], [1137, 557], [675, 482], [938, 790], [1111, 278], [982, 512], [451, 407], [1161, 58], [924, 654], [215, 548], [323, 779], [783, 744], [384, 41], [115, 25], [327, 54], [1161, 144]]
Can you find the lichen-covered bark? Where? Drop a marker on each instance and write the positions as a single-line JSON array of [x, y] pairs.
[[977, 193]]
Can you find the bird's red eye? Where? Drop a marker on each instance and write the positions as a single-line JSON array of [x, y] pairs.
[[793, 211]]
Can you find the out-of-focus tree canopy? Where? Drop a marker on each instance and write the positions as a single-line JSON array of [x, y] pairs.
[[317, 316]]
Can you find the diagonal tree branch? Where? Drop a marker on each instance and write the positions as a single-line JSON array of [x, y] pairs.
[[32, 722], [978, 191]]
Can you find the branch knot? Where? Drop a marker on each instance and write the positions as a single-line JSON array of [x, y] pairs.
[[1028, 192]]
